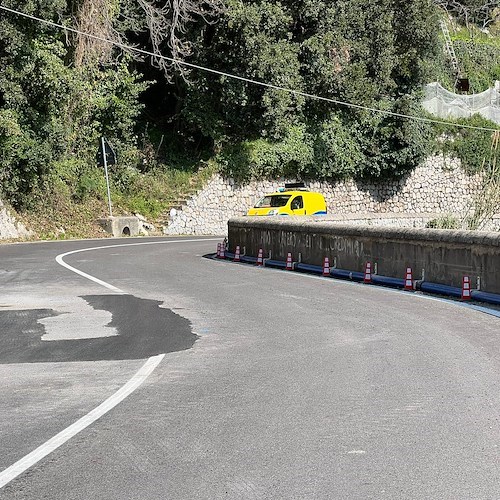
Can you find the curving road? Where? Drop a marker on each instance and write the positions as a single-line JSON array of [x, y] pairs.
[[222, 380]]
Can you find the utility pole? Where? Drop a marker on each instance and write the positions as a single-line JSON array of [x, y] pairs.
[[106, 156], [107, 177]]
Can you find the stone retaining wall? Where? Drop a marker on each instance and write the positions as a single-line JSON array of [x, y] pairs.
[[438, 187]]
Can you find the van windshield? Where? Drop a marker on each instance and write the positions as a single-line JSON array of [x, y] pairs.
[[274, 200]]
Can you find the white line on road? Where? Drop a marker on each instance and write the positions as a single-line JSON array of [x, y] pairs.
[[7, 475], [59, 439], [59, 258]]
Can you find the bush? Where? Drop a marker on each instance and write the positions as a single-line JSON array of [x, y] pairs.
[[368, 146], [24, 161], [337, 153], [91, 184], [445, 222], [473, 147], [261, 158]]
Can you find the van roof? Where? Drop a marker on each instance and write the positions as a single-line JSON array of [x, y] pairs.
[[295, 191]]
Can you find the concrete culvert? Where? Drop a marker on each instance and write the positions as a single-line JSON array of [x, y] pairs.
[[120, 226]]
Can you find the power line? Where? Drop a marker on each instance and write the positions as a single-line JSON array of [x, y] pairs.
[[244, 79]]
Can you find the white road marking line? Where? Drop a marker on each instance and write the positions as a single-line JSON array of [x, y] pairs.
[[7, 475], [59, 439], [60, 258]]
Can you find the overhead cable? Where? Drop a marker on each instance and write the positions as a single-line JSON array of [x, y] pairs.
[[247, 80]]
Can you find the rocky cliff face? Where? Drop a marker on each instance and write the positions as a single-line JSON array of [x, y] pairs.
[[9, 227]]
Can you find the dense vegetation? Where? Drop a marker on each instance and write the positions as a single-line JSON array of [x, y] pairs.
[[60, 91]]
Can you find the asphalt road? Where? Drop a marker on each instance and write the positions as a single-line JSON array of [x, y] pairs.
[[272, 384]]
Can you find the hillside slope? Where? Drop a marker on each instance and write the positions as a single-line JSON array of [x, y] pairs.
[[171, 130]]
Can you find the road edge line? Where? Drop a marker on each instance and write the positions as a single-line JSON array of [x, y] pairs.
[[23, 464], [82, 423]]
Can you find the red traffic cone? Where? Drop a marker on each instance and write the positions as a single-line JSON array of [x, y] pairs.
[[466, 292], [222, 251], [326, 267], [289, 263], [408, 279], [368, 272], [219, 246], [237, 254], [260, 258]]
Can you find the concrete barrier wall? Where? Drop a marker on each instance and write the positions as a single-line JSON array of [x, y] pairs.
[[443, 256]]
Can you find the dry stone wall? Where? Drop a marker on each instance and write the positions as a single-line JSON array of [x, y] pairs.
[[438, 187]]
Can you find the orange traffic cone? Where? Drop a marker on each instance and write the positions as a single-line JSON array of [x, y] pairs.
[[289, 263], [326, 267], [237, 254], [260, 258], [368, 272], [408, 279], [219, 246], [466, 292]]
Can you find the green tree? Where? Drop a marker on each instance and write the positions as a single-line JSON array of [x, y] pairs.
[[29, 92], [53, 111], [373, 55]]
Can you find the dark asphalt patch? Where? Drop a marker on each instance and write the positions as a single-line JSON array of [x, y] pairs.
[[144, 329]]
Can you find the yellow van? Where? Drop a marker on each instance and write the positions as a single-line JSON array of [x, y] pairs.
[[292, 200]]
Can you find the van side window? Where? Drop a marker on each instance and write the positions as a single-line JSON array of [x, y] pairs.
[[297, 203]]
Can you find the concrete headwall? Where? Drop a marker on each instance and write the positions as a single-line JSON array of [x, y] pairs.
[[444, 256], [120, 226]]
